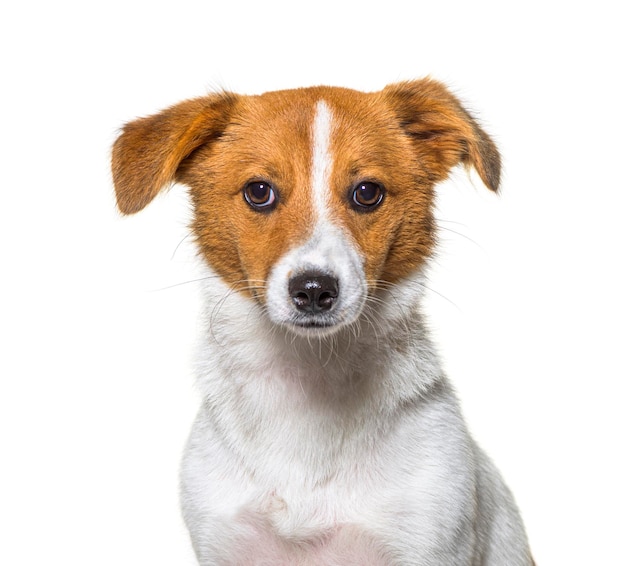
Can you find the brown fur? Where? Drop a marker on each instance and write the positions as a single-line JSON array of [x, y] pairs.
[[406, 137]]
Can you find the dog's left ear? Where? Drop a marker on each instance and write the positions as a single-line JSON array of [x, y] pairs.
[[444, 134]]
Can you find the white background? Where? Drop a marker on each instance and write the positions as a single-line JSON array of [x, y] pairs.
[[97, 337]]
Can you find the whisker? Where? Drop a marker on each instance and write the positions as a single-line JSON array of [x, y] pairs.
[[370, 318], [178, 245], [390, 287], [440, 295], [457, 233], [188, 282], [240, 285], [330, 342]]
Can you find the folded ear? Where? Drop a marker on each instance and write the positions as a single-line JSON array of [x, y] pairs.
[[444, 134], [149, 151]]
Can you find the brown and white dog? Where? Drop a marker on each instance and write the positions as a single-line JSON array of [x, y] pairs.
[[327, 434]]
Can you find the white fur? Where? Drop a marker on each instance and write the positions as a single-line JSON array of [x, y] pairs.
[[344, 448], [299, 438], [322, 161]]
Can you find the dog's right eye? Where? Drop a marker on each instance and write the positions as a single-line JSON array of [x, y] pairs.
[[260, 195]]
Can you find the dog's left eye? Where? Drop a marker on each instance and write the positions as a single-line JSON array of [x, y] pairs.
[[367, 195], [260, 195]]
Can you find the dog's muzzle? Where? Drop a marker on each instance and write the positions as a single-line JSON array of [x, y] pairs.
[[318, 287]]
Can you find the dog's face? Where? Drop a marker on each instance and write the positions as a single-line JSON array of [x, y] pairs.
[[307, 200]]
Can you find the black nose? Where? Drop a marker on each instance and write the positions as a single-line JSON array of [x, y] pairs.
[[313, 291]]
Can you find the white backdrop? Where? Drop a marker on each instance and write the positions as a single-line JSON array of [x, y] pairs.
[[97, 331]]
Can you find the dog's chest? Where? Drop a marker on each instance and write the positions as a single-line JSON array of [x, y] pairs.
[[308, 531]]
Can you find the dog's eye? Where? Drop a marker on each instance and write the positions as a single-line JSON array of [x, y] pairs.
[[260, 195], [367, 195]]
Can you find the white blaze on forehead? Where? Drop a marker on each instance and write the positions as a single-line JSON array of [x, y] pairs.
[[322, 159]]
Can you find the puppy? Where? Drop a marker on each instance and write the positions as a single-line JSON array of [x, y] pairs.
[[327, 433]]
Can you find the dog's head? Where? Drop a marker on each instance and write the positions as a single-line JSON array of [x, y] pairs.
[[307, 200]]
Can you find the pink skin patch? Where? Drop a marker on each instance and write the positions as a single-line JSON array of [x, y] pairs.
[[345, 545]]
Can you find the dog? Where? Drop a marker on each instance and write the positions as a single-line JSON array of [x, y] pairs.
[[327, 433]]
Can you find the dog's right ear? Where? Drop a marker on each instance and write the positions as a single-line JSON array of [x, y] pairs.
[[149, 151]]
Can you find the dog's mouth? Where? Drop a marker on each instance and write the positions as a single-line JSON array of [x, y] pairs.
[[320, 324], [311, 324]]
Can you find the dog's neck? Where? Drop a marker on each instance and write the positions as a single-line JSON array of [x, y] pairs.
[[262, 380], [390, 332]]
